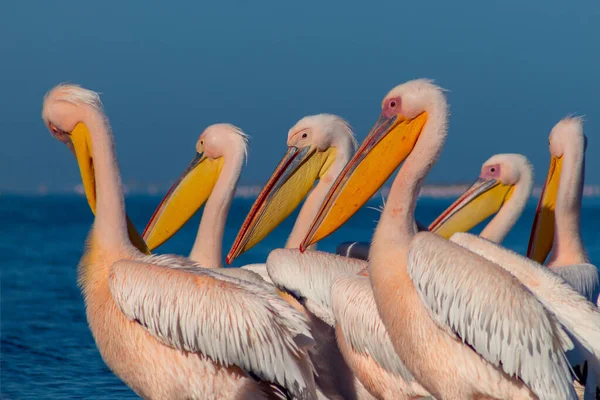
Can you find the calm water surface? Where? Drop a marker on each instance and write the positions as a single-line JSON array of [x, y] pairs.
[[47, 350]]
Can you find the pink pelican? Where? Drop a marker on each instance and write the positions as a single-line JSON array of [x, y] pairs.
[[449, 312], [165, 327], [211, 177], [556, 228], [318, 148], [503, 188]]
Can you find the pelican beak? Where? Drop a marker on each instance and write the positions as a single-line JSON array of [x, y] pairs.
[[183, 199], [484, 198], [81, 145], [542, 231], [289, 184], [388, 144]]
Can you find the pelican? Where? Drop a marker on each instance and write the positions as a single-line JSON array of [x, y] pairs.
[[504, 185], [318, 148], [165, 327], [450, 313], [503, 188], [211, 177], [556, 228]]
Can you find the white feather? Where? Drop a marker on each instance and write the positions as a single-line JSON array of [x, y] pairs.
[[356, 313], [489, 309], [232, 321], [309, 276], [580, 317]]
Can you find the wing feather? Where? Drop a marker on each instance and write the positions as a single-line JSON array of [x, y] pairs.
[[490, 310], [309, 276], [232, 321], [580, 317]]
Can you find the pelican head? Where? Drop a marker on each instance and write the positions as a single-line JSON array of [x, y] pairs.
[[566, 139], [404, 113], [216, 144], [64, 111], [313, 145], [500, 176]]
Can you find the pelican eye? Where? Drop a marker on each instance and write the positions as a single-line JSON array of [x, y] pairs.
[[304, 135], [59, 133]]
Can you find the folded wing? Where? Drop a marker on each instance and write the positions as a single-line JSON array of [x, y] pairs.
[[580, 317], [233, 322], [491, 311]]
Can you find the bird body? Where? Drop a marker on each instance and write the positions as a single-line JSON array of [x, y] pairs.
[[556, 231], [167, 327], [138, 356], [449, 312]]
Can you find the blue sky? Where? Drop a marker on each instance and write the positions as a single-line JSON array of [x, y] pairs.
[[169, 69]]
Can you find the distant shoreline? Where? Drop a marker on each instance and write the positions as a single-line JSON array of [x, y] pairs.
[[252, 191]]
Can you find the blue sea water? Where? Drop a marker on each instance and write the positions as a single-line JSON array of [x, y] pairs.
[[47, 350]]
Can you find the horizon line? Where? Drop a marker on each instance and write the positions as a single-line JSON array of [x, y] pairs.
[[252, 191]]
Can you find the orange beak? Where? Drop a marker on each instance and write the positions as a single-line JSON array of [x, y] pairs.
[[388, 144]]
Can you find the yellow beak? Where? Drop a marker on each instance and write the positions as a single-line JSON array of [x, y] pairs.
[[542, 231], [484, 198], [184, 198], [289, 184], [388, 144], [81, 145]]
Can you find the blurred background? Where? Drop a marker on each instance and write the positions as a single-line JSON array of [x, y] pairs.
[[167, 70]]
